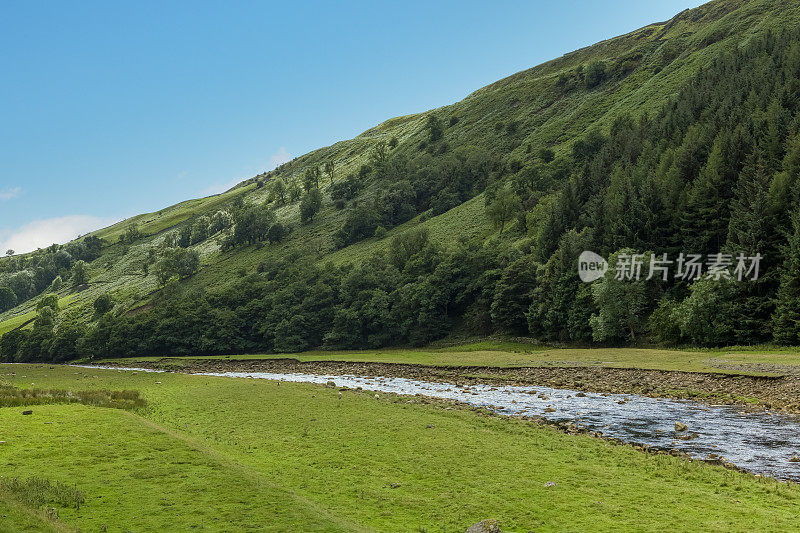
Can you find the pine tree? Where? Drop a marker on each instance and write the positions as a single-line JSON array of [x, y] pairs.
[[751, 231], [330, 169], [786, 321], [705, 215]]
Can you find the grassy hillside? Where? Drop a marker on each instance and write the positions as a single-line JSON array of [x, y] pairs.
[[546, 107]]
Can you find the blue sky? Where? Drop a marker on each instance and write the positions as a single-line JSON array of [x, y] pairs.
[[109, 109]]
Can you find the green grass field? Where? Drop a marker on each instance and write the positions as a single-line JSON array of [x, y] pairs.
[[520, 354], [15, 516], [224, 454]]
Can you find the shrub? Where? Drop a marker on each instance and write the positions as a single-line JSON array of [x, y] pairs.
[[48, 300], [103, 304], [595, 74], [7, 299], [310, 205], [80, 273], [434, 127], [361, 222], [277, 232]]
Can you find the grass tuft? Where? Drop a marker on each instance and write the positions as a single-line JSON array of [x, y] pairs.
[[125, 399], [37, 492]]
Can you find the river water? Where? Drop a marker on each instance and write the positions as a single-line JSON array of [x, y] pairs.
[[760, 442]]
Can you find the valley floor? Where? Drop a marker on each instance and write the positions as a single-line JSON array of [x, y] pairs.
[[765, 378], [231, 454]]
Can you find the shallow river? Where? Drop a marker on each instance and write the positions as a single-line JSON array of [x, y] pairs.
[[760, 442]]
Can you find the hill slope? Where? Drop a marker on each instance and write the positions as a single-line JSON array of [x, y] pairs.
[[551, 155]]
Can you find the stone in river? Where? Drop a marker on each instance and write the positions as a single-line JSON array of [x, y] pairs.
[[679, 426]]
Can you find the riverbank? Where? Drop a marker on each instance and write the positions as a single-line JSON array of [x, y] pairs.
[[773, 392]]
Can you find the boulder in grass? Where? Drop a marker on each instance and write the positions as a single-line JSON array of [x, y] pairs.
[[484, 526], [28, 412]]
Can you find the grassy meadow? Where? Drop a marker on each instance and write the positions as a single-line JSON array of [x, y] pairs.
[[224, 454]]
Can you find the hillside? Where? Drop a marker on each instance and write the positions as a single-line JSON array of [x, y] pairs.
[[479, 209]]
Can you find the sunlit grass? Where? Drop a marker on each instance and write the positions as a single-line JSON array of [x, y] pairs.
[[239, 454]]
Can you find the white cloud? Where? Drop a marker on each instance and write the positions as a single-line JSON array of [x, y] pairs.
[[9, 193], [42, 233], [279, 158]]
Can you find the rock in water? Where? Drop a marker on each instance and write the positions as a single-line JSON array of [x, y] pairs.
[[795, 459], [484, 526], [680, 426]]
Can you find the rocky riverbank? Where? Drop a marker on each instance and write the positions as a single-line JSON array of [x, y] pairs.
[[757, 392]]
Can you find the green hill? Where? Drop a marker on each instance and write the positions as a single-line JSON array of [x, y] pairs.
[[470, 216]]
